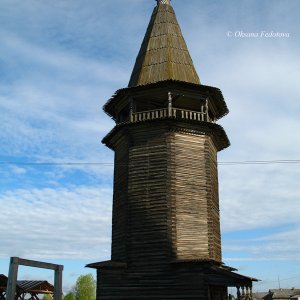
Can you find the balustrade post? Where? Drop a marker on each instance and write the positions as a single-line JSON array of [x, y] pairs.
[[206, 110], [131, 110], [169, 104], [202, 113]]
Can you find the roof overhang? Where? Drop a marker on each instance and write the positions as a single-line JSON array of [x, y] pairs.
[[222, 276], [197, 91]]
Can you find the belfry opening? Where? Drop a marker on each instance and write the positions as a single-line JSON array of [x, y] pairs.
[[166, 240]]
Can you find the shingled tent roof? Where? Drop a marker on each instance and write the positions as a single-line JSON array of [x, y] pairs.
[[163, 54]]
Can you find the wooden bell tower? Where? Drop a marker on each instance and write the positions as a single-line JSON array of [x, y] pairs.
[[166, 241]]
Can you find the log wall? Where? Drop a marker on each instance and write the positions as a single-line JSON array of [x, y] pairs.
[[120, 202], [165, 209], [166, 203], [180, 284], [148, 235], [194, 192]]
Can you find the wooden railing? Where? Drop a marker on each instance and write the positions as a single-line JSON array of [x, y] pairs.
[[149, 115], [170, 113]]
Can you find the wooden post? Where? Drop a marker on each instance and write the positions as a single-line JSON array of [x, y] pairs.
[[247, 293], [13, 274], [169, 104], [58, 283], [206, 110], [131, 110], [238, 293], [202, 113], [243, 292], [12, 278]]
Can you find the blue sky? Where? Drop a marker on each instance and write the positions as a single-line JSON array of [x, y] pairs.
[[60, 61]]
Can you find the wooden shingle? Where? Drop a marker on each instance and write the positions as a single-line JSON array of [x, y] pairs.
[[163, 54]]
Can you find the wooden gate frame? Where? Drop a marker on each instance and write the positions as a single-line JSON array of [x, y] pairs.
[[13, 274]]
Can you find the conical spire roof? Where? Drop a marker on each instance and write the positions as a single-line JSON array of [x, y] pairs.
[[163, 54]]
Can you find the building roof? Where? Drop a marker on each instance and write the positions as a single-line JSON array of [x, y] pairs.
[[223, 274], [163, 54], [35, 286], [29, 286], [107, 264], [283, 293], [259, 295], [216, 95], [3, 282]]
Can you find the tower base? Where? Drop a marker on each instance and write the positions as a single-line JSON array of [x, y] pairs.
[[179, 280]]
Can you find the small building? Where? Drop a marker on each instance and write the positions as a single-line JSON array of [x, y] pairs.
[[283, 294], [27, 288]]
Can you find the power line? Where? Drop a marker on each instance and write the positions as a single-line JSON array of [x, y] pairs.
[[222, 163], [261, 162], [276, 281], [54, 163], [225, 163]]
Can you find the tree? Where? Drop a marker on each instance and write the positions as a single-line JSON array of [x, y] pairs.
[[47, 297], [85, 288], [69, 296]]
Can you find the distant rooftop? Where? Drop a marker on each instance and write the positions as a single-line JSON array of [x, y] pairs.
[[281, 293], [259, 295]]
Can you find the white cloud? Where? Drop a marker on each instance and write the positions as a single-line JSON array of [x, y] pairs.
[[60, 62], [259, 196], [283, 246], [56, 223], [55, 116], [17, 170]]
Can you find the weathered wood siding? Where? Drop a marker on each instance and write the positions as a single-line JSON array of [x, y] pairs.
[[148, 241], [165, 210], [120, 200], [218, 293], [181, 284], [166, 202], [194, 193]]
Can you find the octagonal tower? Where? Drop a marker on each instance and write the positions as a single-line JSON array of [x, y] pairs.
[[166, 241]]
